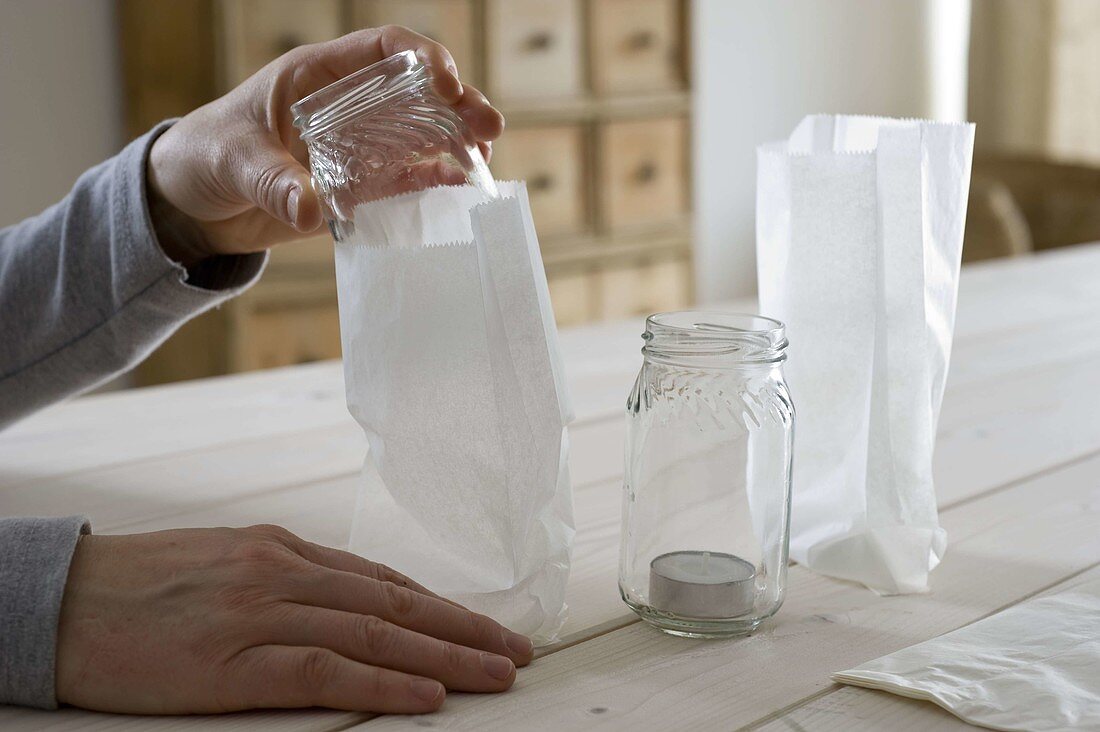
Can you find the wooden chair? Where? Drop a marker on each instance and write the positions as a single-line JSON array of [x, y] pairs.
[[1020, 204], [995, 226]]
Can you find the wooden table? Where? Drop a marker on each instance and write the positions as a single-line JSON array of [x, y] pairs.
[[1017, 474]]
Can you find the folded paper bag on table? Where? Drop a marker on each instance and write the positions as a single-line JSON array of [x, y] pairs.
[[859, 238], [1035, 666], [452, 369]]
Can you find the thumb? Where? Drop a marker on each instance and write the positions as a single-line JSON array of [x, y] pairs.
[[274, 181]]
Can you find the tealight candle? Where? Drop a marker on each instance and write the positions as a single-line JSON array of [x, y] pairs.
[[700, 584]]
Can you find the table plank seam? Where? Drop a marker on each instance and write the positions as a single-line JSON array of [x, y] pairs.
[[107, 467], [586, 485], [780, 713], [574, 639], [1048, 470], [236, 498], [1038, 325], [1025, 371], [587, 634], [231, 444]]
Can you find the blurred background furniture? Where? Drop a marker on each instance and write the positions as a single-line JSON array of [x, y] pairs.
[[995, 226], [1033, 93], [1021, 203], [597, 101]]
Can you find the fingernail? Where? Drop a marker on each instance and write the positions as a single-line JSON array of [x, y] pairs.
[[496, 666], [518, 644], [426, 689], [292, 203]]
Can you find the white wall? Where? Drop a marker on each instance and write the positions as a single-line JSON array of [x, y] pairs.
[[60, 98], [761, 65]]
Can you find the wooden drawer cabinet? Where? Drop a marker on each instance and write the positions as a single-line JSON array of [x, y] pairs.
[[671, 284], [635, 46], [639, 286], [573, 295], [256, 31], [644, 287], [281, 336], [643, 172], [532, 48], [313, 256], [451, 22], [551, 160]]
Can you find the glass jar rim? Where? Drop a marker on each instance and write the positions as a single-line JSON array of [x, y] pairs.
[[359, 93], [740, 338]]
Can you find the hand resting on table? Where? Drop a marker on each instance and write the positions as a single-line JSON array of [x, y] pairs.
[[217, 620]]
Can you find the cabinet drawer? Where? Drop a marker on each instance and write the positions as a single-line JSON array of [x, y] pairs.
[[282, 337], [552, 161], [256, 31], [645, 287], [313, 256], [532, 48], [643, 172], [573, 295], [451, 22], [636, 45]]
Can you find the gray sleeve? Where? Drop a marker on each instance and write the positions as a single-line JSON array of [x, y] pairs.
[[34, 563], [86, 292]]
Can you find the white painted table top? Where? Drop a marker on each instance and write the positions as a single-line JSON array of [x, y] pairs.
[[1017, 471]]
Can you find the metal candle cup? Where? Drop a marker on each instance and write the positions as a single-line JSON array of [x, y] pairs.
[[700, 584]]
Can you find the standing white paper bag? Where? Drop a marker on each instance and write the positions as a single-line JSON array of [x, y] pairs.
[[451, 367], [859, 239]]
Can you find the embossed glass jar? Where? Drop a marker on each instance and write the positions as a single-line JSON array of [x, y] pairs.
[[383, 131], [707, 486]]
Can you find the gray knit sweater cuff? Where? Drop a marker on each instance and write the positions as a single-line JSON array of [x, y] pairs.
[[35, 554]]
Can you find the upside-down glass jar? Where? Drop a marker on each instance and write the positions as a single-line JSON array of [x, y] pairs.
[[383, 131], [707, 486]]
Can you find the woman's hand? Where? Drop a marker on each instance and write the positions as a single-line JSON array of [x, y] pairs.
[[216, 620], [236, 168]]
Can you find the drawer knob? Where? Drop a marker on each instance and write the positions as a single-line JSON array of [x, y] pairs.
[[641, 40], [542, 182], [646, 172], [539, 41]]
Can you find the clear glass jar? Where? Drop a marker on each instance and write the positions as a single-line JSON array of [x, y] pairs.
[[383, 131], [707, 486]]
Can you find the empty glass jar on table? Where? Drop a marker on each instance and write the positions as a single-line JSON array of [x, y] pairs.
[[707, 486]]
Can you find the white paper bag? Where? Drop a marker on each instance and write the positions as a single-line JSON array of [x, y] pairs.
[[859, 238], [452, 369], [1035, 666]]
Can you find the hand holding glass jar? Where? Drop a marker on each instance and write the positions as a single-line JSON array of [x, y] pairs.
[[233, 173]]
